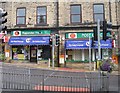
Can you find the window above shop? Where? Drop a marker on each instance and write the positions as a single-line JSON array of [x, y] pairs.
[[98, 12], [41, 15], [75, 14], [21, 16]]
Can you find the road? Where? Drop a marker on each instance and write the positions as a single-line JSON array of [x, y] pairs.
[[114, 83], [30, 78]]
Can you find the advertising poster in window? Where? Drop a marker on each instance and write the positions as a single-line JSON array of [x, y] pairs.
[[61, 59], [15, 56], [7, 53]]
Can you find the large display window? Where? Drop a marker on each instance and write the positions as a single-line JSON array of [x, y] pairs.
[[20, 52], [32, 53]]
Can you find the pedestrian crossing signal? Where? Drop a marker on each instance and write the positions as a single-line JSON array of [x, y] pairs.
[[95, 34], [3, 20], [57, 38], [93, 43], [107, 28], [50, 41]]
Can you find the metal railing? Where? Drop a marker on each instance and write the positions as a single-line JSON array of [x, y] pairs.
[[48, 80]]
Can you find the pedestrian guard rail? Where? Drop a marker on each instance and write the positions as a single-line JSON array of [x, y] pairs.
[[49, 80]]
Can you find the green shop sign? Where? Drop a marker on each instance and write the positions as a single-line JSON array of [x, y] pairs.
[[30, 32], [82, 35]]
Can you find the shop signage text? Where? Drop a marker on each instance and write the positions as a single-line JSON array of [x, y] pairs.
[[84, 44], [43, 40], [30, 32], [84, 34]]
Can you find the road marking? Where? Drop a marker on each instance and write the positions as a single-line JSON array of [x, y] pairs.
[[47, 77], [87, 85]]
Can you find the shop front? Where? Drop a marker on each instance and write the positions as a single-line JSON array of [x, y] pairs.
[[77, 49], [30, 48]]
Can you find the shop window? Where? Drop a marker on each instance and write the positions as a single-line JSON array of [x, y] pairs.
[[69, 57], [69, 54], [19, 52], [98, 12], [45, 52], [39, 52]]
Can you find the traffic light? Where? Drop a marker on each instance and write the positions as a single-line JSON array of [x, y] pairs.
[[107, 28], [95, 34], [50, 41], [3, 20], [57, 38], [93, 42], [114, 36], [113, 43]]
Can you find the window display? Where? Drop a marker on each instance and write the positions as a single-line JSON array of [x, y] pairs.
[[20, 52]]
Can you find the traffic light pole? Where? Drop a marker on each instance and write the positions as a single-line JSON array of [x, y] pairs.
[[3, 28], [98, 32]]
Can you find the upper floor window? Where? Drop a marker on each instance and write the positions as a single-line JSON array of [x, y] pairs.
[[21, 16], [76, 14], [41, 15], [98, 12]]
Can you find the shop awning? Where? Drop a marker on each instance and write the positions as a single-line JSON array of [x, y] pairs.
[[84, 44], [29, 40]]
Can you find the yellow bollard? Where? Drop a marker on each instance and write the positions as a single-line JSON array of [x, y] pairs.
[[98, 63]]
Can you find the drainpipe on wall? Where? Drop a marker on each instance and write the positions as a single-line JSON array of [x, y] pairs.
[[12, 13], [57, 28], [118, 26], [110, 16]]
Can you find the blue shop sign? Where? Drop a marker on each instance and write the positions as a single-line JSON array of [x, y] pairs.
[[84, 44], [76, 44], [29, 40], [104, 44]]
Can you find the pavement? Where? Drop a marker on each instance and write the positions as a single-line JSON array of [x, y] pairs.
[[72, 67]]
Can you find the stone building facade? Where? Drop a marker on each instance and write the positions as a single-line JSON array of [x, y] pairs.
[[59, 21]]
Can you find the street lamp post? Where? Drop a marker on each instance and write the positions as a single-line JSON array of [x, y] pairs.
[[90, 53], [99, 46]]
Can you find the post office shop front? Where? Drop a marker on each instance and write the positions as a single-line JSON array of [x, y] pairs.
[[31, 48]]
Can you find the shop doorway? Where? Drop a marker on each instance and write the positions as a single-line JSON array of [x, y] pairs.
[[33, 54]]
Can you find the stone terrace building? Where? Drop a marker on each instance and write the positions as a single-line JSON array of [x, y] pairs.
[[26, 23], [74, 21]]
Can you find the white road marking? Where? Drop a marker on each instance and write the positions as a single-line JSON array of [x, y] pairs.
[[87, 85], [47, 77]]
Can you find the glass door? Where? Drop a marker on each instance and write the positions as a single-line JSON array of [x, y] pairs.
[[33, 54]]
